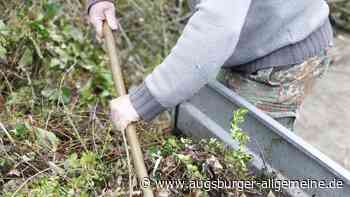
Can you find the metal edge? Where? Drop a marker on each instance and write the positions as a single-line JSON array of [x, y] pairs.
[[257, 164], [287, 135]]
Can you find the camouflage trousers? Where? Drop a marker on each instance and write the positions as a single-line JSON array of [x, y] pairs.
[[278, 91]]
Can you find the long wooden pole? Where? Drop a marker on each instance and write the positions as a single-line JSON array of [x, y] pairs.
[[133, 141]]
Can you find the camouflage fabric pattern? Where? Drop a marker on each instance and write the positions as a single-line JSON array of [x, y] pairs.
[[278, 91]]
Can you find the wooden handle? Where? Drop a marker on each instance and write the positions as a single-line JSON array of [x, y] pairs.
[[133, 141]]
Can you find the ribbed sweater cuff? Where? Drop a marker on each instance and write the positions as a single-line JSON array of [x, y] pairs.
[[93, 2], [293, 54], [144, 103]]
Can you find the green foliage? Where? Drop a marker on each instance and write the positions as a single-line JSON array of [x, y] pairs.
[[56, 90], [22, 98], [184, 151], [26, 59], [46, 139], [213, 145], [171, 146], [55, 94], [47, 39], [46, 43], [340, 11], [46, 186], [82, 176], [86, 173], [191, 168], [57, 86], [20, 131], [161, 25], [240, 155], [4, 164], [236, 159]]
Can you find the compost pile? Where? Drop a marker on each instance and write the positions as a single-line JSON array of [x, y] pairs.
[[341, 13], [55, 135]]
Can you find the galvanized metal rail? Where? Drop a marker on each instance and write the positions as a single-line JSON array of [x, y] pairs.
[[275, 149]]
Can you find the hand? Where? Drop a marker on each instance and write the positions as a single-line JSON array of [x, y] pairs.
[[103, 11], [122, 112]]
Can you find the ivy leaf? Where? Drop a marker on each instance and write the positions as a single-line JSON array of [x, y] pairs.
[[22, 95], [64, 57], [52, 9], [48, 92], [105, 93], [86, 91], [3, 28], [55, 94], [47, 139], [54, 63], [73, 32], [20, 130], [39, 28], [184, 158], [65, 94], [26, 59], [3, 52]]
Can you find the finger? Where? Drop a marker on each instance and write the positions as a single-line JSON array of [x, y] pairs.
[[97, 22], [122, 125], [99, 26], [111, 18]]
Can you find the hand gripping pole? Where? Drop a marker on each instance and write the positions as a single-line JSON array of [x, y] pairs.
[[131, 135]]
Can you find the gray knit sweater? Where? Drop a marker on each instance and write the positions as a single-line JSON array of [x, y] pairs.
[[245, 35]]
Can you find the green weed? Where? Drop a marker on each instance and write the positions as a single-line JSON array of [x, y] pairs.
[[82, 176]]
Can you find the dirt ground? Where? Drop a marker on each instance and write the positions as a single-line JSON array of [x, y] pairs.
[[325, 117]]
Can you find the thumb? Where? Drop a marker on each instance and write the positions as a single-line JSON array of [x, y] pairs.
[[111, 18]]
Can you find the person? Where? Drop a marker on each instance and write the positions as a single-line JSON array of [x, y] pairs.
[[271, 53]]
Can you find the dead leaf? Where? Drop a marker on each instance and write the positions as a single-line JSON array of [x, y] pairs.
[[271, 194], [212, 166], [163, 193], [196, 193]]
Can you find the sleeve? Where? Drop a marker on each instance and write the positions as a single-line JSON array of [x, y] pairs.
[[208, 40]]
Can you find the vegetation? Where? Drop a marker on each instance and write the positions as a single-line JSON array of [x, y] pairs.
[[341, 13], [55, 134]]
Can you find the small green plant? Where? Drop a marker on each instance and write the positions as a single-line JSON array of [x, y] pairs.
[[192, 170], [340, 14], [43, 40], [46, 186], [235, 159], [171, 146], [239, 156], [184, 150], [238, 118], [20, 131], [82, 176]]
